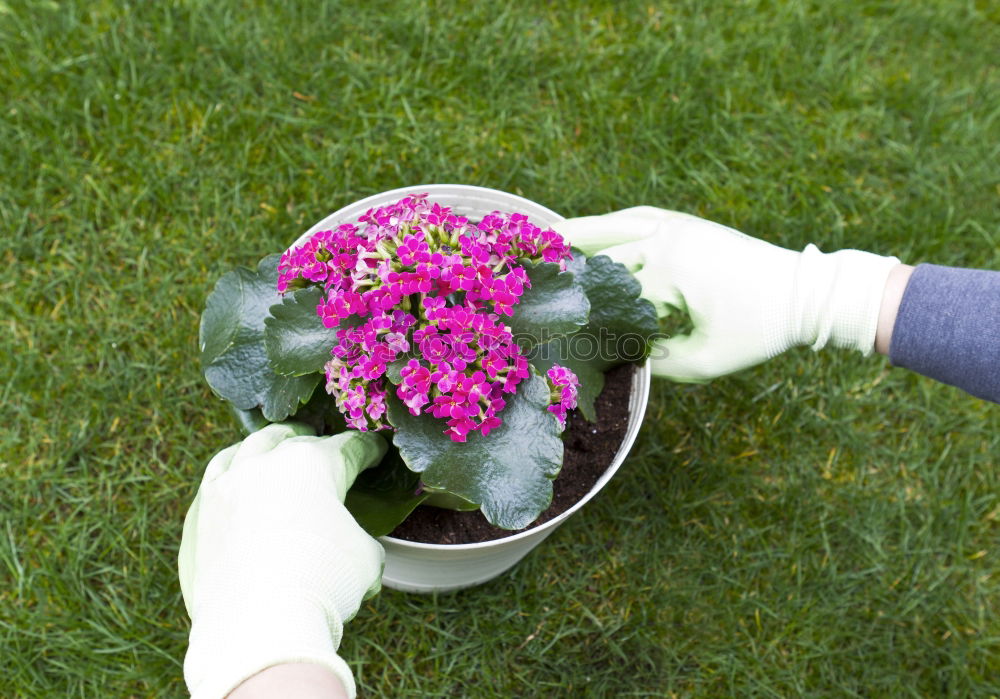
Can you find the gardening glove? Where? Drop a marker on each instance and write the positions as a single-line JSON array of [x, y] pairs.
[[271, 563], [748, 300]]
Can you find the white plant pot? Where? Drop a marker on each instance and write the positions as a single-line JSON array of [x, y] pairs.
[[418, 567]]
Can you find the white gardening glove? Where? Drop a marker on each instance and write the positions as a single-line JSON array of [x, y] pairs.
[[271, 563], [748, 300]]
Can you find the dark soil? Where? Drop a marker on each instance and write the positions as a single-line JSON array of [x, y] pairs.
[[589, 449]]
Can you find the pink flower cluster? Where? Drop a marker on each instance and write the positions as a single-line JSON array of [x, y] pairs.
[[414, 288], [565, 390]]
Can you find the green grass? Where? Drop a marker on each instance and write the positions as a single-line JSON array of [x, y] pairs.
[[823, 525]]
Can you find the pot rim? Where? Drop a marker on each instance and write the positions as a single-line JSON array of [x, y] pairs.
[[362, 205]]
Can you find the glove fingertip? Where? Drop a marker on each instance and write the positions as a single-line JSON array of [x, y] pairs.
[[220, 463], [371, 446], [267, 438], [673, 359], [360, 450]]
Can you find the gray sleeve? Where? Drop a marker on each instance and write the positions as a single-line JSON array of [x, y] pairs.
[[948, 328]]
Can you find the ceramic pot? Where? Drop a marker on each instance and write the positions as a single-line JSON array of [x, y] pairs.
[[419, 567]]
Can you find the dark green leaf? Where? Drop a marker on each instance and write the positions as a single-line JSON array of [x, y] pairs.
[[284, 394], [319, 412], [249, 420], [385, 495], [509, 473], [448, 501], [393, 369], [629, 321], [556, 304], [295, 338], [620, 329], [231, 339]]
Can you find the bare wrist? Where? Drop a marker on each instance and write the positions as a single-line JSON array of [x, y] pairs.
[[895, 285], [291, 680]]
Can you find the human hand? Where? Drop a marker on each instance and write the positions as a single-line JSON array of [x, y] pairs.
[[749, 300], [271, 563]]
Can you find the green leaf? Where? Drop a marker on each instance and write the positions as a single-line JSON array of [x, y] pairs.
[[509, 473], [448, 501], [249, 420], [383, 496], [629, 321], [295, 338], [393, 370], [319, 412], [620, 329], [556, 304], [282, 398], [231, 338]]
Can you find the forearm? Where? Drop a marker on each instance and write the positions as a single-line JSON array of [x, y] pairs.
[[895, 285], [947, 327]]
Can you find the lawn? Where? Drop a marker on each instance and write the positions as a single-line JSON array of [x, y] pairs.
[[822, 525]]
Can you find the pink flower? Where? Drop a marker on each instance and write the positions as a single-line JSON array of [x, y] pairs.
[[416, 291], [564, 391]]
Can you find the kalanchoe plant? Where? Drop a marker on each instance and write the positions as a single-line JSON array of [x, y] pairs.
[[466, 342]]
